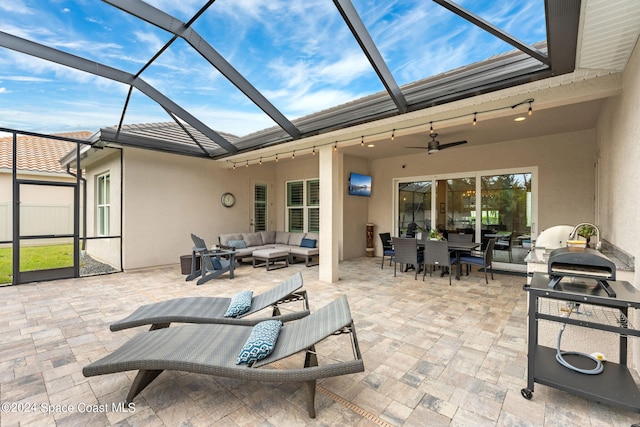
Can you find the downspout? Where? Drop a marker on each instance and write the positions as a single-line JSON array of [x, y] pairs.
[[84, 207]]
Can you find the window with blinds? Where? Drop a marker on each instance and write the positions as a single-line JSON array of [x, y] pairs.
[[303, 206], [260, 207]]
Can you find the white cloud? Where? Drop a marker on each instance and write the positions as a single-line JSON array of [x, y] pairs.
[[15, 6], [3, 90], [25, 79]]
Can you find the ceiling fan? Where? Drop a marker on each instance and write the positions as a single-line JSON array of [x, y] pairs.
[[435, 146]]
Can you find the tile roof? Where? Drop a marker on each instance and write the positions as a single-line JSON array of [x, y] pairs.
[[38, 154]]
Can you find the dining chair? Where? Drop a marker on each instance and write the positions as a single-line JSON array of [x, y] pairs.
[[387, 248], [406, 252], [505, 243], [436, 253], [483, 261]]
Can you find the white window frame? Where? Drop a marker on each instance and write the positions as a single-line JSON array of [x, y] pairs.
[[257, 202], [306, 207], [103, 207]]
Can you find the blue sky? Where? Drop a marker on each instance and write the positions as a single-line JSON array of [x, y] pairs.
[[299, 54]]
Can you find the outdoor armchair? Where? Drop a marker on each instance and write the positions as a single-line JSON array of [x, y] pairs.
[[214, 263]]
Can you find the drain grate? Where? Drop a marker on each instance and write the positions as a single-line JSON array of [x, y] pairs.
[[344, 402], [355, 408]]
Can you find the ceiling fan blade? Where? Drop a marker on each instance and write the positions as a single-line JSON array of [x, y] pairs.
[[422, 148], [451, 144]]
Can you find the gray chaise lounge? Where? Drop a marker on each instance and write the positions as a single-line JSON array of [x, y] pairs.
[[213, 350], [212, 309]]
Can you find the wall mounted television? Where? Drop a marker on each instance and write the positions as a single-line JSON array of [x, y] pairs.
[[359, 185]]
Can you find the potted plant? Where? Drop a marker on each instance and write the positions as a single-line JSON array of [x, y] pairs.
[[434, 235], [587, 231]]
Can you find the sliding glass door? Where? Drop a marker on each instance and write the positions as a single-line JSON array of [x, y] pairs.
[[488, 204], [506, 215], [414, 207]]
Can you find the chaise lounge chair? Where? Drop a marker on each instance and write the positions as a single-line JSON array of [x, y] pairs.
[[214, 349], [212, 309]]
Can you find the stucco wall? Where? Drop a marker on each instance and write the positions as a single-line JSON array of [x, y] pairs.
[[168, 197], [105, 250], [618, 153], [566, 174], [355, 210]]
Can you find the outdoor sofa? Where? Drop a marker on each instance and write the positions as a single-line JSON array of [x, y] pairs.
[[298, 245]]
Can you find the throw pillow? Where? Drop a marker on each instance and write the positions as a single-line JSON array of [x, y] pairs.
[[308, 243], [237, 244], [282, 237], [260, 343], [240, 304], [217, 265], [296, 238], [268, 237]]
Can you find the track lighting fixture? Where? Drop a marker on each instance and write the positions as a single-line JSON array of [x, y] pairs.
[[432, 131]]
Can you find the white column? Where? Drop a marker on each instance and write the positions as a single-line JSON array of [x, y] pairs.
[[330, 213]]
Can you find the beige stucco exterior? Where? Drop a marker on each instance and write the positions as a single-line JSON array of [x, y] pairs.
[[167, 197]]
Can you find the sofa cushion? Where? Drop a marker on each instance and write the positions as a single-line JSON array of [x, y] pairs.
[[299, 250], [245, 252], [224, 238], [296, 238], [252, 239], [282, 237], [268, 237]]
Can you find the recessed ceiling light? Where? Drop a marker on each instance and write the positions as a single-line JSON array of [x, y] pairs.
[[520, 119], [371, 145]]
